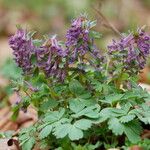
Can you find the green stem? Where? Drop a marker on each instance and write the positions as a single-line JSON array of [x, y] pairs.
[[107, 66]]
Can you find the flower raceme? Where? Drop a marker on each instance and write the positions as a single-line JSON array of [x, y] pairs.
[[77, 38], [50, 56], [22, 50], [132, 49]]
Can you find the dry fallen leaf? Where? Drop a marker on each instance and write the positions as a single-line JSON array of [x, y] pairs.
[[3, 82], [9, 144], [5, 120], [4, 111], [135, 147], [10, 126], [144, 75]]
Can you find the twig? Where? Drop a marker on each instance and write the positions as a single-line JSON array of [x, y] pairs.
[[106, 23]]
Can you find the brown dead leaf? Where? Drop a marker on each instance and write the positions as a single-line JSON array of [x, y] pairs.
[[4, 120], [5, 50], [9, 144], [146, 134], [30, 115], [13, 98], [27, 124], [10, 126], [144, 75], [3, 82], [135, 147], [145, 86], [4, 111]]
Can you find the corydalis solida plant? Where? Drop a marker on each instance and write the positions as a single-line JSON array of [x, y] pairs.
[[77, 92]]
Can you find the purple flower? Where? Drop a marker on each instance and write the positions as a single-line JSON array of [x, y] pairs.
[[22, 50], [77, 36], [132, 50], [50, 59], [80, 45]]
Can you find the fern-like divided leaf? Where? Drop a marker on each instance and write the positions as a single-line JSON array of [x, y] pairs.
[[116, 127], [83, 124], [28, 145], [27, 139], [45, 131], [133, 130], [74, 131], [122, 121]]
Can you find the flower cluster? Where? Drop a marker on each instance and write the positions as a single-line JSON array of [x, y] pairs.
[[77, 38], [51, 59], [51, 56], [54, 58], [80, 42], [22, 50], [132, 49], [48, 57]]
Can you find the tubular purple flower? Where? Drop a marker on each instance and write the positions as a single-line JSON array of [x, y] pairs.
[[56, 47], [22, 50], [79, 43], [77, 38], [50, 57], [132, 49]]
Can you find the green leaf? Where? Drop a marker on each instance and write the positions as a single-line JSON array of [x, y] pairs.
[[27, 130], [33, 59], [6, 134], [15, 112], [93, 147], [116, 112], [105, 114], [45, 131], [11, 67], [2, 135], [31, 34], [54, 115], [124, 77], [97, 85], [113, 98], [62, 130], [112, 112], [76, 105], [45, 88], [36, 72], [115, 126], [75, 87], [95, 35], [19, 27], [92, 24], [127, 118], [28, 145], [50, 103], [91, 112], [132, 130], [83, 124], [143, 113], [85, 95], [23, 137], [37, 42], [75, 133]]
